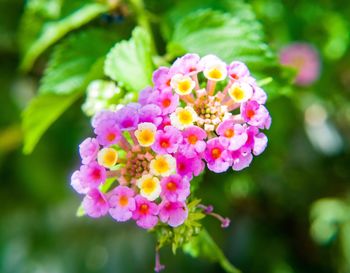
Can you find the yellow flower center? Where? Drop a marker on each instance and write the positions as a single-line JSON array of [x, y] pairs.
[[149, 185], [184, 86], [215, 74], [107, 157], [145, 137], [237, 93], [185, 117], [161, 165]]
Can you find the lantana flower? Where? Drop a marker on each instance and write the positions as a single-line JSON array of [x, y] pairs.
[[200, 113]]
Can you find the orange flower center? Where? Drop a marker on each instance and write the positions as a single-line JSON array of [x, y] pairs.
[[165, 143], [233, 75], [123, 201], [166, 102], [250, 113], [192, 139], [110, 136], [216, 153], [229, 133], [171, 186], [144, 208]]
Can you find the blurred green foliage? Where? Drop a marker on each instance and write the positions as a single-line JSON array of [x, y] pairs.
[[290, 210]]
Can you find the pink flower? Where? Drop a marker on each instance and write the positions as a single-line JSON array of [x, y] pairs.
[[237, 70], [217, 155], [260, 143], [167, 141], [165, 122], [121, 203], [127, 118], [173, 213], [95, 204], [188, 166], [145, 213], [92, 175], [88, 150], [146, 95], [150, 113], [241, 159], [167, 102], [103, 116], [161, 78], [175, 188], [193, 141], [77, 184], [186, 65], [255, 114], [108, 133], [259, 95], [235, 133], [256, 141], [305, 59]]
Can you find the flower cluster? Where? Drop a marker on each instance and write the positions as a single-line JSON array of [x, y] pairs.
[[200, 112]]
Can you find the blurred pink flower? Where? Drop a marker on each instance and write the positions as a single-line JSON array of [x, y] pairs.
[[305, 58]]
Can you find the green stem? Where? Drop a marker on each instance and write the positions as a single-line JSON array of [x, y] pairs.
[[142, 20], [204, 246]]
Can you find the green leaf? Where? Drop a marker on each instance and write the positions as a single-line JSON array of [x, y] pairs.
[[231, 36], [130, 62], [185, 7], [52, 31], [204, 246], [208, 31], [36, 13], [41, 112], [74, 59]]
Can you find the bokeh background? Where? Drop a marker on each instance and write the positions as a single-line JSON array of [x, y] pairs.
[[290, 210]]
